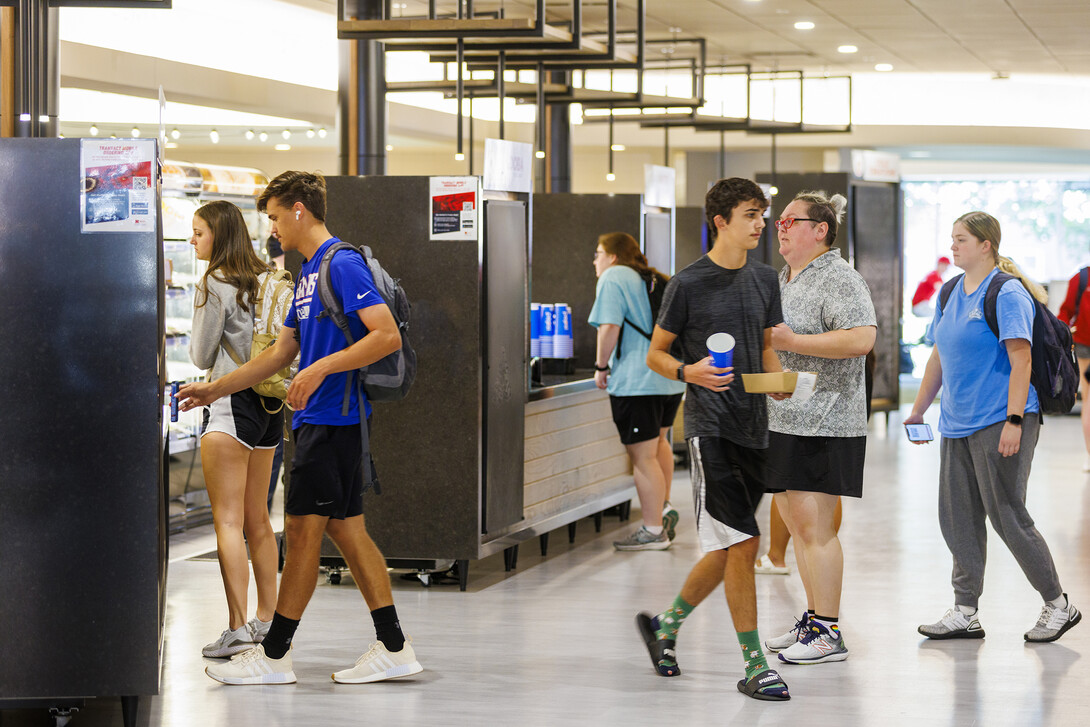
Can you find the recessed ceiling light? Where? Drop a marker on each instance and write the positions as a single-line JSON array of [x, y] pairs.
[[847, 49], [883, 67], [94, 130], [214, 136], [321, 133], [804, 25], [135, 132], [389, 147], [617, 147], [310, 133], [175, 134], [539, 154], [286, 133], [250, 135], [262, 136], [282, 147]]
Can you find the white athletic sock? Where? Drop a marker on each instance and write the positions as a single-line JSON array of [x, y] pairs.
[[653, 529], [1060, 602], [967, 610]]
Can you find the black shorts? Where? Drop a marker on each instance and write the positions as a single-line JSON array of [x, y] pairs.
[[830, 465], [640, 418], [244, 416], [326, 472], [728, 482]]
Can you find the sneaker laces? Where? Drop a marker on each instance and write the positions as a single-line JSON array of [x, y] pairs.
[[372, 649], [815, 632], [250, 655], [1048, 616]]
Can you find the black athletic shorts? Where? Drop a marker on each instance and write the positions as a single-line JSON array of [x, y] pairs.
[[244, 416], [640, 418], [728, 482], [326, 472], [831, 465]]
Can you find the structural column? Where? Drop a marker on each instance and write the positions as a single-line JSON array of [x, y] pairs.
[[29, 69], [361, 97]]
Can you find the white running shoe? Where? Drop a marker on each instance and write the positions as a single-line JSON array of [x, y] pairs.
[[817, 645], [258, 629], [253, 667], [230, 643], [954, 625], [791, 637], [379, 663], [1054, 622]]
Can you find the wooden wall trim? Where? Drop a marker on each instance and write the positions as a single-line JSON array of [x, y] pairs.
[[7, 72]]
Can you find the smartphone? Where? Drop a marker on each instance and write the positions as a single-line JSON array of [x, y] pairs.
[[919, 432]]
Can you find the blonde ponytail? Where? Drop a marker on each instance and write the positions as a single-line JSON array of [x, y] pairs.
[[1006, 265]]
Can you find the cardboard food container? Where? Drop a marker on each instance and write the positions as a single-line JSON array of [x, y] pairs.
[[780, 382]]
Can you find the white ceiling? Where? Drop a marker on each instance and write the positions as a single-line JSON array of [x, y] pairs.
[[993, 36]]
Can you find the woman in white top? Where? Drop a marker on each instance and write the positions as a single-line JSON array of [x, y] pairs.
[[238, 434]]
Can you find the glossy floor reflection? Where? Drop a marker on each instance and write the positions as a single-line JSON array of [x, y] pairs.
[[553, 642]]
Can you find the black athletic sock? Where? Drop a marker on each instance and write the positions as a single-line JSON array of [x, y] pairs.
[[278, 640], [387, 628]]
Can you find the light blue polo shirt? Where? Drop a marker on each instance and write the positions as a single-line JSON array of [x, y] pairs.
[[621, 293], [976, 370]]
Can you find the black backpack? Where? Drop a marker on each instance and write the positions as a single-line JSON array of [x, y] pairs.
[[1055, 372], [655, 283]]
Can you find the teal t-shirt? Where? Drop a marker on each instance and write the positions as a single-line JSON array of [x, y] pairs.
[[621, 294]]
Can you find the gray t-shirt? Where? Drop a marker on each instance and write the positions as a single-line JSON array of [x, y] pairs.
[[827, 295], [703, 299]]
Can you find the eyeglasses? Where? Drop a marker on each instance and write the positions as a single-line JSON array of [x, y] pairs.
[[598, 252], [785, 224]]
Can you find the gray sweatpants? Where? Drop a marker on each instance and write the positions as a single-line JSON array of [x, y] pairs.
[[974, 482]]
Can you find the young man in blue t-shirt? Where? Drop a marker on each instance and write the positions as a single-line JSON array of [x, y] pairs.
[[326, 493]]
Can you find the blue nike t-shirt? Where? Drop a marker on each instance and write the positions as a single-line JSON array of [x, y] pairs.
[[976, 370], [320, 337]]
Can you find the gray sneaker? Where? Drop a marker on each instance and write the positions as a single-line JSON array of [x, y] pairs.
[[670, 517], [230, 643], [955, 625], [258, 629], [1054, 622], [642, 539]]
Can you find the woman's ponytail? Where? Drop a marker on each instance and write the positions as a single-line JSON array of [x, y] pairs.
[[1006, 265]]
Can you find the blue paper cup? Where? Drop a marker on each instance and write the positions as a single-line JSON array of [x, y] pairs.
[[535, 329], [721, 349]]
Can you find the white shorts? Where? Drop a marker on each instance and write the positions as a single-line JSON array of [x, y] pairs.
[[243, 416]]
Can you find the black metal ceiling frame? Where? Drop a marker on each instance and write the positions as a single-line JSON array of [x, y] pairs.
[[538, 31], [747, 123]]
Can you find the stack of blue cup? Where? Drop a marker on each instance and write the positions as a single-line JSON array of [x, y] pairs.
[[548, 329], [564, 343]]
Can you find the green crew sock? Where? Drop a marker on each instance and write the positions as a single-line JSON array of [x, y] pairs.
[[670, 620], [752, 653]]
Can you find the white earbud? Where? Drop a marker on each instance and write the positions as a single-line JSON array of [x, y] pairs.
[[297, 213]]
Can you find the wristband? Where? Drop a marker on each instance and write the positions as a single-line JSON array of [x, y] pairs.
[[600, 368]]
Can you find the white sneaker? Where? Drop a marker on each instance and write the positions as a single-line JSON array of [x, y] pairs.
[[1054, 622], [253, 667], [818, 645], [379, 663], [258, 629], [230, 643], [955, 625], [791, 637]]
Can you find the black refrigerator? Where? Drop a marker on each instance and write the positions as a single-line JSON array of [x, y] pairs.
[[82, 518]]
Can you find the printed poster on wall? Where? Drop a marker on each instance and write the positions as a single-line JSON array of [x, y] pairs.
[[118, 185], [453, 208]]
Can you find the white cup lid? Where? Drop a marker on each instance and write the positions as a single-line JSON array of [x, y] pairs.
[[721, 342]]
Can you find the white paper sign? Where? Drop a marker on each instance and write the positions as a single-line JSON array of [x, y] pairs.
[[118, 183], [659, 185], [452, 208], [508, 166]]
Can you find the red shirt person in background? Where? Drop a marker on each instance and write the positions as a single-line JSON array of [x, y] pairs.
[[1075, 312], [925, 291]]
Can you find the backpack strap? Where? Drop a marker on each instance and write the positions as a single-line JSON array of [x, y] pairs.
[[991, 298], [332, 307], [948, 289], [1084, 278]]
